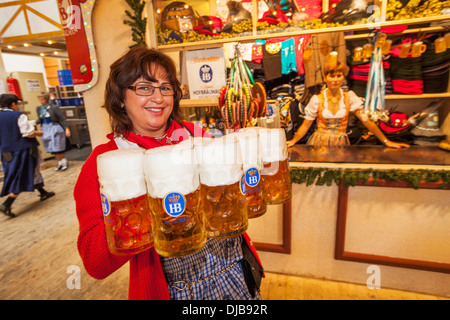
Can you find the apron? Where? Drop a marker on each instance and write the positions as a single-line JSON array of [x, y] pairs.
[[54, 138]]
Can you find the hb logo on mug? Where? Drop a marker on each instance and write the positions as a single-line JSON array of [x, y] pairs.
[[174, 204]]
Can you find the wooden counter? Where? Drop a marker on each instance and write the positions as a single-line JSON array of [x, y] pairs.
[[360, 154]]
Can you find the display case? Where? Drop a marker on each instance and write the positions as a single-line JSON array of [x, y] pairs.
[[209, 23], [339, 192], [399, 22]]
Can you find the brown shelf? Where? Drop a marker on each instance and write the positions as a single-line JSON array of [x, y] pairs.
[[219, 42]]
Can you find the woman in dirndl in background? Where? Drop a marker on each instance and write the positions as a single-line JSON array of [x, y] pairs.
[[56, 131], [332, 108]]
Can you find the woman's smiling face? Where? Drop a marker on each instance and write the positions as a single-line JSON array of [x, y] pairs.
[[150, 114]]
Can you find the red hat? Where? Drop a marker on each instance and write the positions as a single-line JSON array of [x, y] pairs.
[[397, 121]]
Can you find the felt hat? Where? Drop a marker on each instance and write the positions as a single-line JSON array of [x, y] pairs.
[[428, 126], [398, 121], [427, 131]]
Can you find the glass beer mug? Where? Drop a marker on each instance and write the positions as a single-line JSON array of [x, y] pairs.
[[124, 201], [248, 139], [276, 174], [223, 199], [173, 188]]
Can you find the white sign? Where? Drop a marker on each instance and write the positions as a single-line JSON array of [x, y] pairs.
[[206, 73], [33, 84]]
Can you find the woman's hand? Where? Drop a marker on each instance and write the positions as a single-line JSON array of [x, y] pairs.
[[396, 145], [35, 134], [68, 133], [291, 143]]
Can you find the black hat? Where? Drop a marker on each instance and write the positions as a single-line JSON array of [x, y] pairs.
[[7, 99]]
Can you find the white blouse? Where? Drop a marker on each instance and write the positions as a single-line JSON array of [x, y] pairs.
[[26, 128], [311, 109]]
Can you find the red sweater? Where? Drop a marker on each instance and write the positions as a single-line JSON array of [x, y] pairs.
[[147, 280]]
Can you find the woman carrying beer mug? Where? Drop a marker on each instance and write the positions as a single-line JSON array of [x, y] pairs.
[[142, 98]]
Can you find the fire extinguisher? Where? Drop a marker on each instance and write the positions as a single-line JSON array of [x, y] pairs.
[[13, 86]]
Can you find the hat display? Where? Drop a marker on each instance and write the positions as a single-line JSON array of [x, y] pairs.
[[427, 131], [398, 121]]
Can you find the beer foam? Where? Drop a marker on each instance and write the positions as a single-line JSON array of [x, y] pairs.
[[121, 174], [249, 145], [220, 161], [171, 169], [272, 143]]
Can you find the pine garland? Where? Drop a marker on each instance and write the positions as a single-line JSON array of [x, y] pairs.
[[137, 23], [326, 176]]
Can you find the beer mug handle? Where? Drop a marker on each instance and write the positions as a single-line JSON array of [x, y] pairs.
[[423, 48]]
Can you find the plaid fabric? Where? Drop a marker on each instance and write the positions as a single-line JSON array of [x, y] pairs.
[[213, 273]]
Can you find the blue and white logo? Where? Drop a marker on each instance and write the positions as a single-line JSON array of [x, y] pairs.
[[174, 204], [252, 177], [242, 185], [206, 73], [106, 205]]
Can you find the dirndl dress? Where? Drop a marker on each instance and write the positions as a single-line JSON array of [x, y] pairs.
[[212, 273], [21, 173], [331, 132], [54, 138]]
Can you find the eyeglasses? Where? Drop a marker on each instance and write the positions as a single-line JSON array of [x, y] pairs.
[[148, 90]]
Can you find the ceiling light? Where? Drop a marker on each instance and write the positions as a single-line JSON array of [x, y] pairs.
[[55, 52], [26, 44], [41, 54], [10, 47], [49, 41]]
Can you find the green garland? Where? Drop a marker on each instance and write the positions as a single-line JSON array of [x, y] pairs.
[[137, 23], [326, 176]]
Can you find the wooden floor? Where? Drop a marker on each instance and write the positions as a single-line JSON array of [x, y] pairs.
[[285, 287], [39, 258]]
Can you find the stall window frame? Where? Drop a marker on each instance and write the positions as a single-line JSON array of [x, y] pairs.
[[341, 223], [285, 246]]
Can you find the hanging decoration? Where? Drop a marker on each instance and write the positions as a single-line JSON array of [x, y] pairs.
[[242, 100], [137, 23], [375, 92], [76, 19]]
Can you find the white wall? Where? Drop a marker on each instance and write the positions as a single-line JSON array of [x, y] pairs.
[[24, 63]]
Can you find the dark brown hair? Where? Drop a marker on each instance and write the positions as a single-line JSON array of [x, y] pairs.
[[135, 63]]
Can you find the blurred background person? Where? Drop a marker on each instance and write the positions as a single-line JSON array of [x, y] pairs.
[[19, 153], [56, 131]]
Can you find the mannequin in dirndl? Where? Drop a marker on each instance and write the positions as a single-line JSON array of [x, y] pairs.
[[331, 109]]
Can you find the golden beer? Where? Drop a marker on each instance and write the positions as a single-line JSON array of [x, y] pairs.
[[223, 201], [174, 197], [276, 174], [225, 209], [178, 235], [277, 186], [251, 161], [124, 201], [128, 226]]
